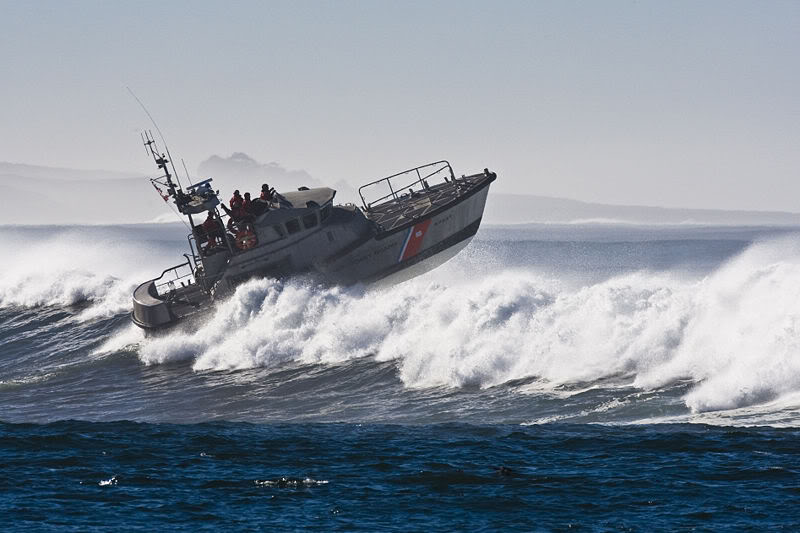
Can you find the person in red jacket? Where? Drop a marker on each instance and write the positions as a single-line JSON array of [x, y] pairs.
[[236, 202], [211, 228], [247, 208]]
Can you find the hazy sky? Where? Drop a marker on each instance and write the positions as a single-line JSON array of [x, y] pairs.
[[689, 104]]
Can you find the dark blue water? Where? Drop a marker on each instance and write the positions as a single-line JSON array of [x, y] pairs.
[[86, 476], [548, 378]]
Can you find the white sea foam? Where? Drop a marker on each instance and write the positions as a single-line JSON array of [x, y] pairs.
[[735, 334], [126, 338], [69, 266], [291, 482], [742, 339]]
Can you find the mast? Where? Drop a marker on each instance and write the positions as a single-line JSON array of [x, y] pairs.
[[197, 198], [161, 162]]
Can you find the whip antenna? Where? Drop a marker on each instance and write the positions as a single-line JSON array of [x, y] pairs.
[[188, 177], [166, 147], [148, 115]]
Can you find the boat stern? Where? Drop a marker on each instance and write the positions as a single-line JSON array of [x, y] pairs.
[[149, 310]]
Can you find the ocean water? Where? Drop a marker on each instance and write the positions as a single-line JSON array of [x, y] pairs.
[[550, 377]]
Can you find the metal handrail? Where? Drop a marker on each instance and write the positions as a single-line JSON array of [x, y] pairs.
[[171, 282], [194, 248], [421, 180]]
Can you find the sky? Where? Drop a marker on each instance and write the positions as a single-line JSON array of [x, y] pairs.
[[674, 104]]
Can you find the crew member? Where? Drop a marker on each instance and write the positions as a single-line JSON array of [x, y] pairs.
[[267, 194], [247, 208], [211, 228], [236, 202]]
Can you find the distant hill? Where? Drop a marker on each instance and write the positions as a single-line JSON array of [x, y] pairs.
[[240, 171], [519, 209], [34, 171], [43, 195], [37, 200]]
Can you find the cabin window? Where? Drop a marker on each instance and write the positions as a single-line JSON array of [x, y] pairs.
[[293, 226], [326, 212], [310, 220], [270, 234]]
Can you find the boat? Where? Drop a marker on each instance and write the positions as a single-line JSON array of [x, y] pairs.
[[408, 223]]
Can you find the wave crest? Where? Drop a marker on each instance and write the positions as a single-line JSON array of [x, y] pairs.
[[65, 266], [735, 333]]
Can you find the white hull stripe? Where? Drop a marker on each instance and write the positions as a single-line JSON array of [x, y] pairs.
[[405, 244]]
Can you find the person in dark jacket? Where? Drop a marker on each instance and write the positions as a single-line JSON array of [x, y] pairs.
[[247, 212]]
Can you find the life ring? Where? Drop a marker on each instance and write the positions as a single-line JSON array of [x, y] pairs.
[[245, 240]]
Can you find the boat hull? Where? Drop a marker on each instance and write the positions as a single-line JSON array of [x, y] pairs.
[[411, 247], [424, 230]]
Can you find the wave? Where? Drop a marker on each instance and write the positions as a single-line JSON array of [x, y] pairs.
[[735, 334], [742, 339], [67, 266]]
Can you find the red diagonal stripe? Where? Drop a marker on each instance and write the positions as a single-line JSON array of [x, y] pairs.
[[415, 241]]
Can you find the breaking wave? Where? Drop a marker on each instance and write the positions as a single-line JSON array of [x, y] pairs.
[[95, 267], [735, 333]]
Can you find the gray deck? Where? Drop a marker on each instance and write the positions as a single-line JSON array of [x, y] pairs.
[[410, 207], [187, 300]]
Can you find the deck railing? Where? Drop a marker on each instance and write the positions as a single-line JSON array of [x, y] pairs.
[[175, 277], [413, 179]]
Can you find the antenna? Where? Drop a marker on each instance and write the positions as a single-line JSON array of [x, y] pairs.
[[163, 141], [187, 203], [171, 162], [160, 160], [148, 115], [144, 142], [188, 177]]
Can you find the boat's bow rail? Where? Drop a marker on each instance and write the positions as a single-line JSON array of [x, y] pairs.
[[173, 278], [173, 295], [408, 181], [425, 196]]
